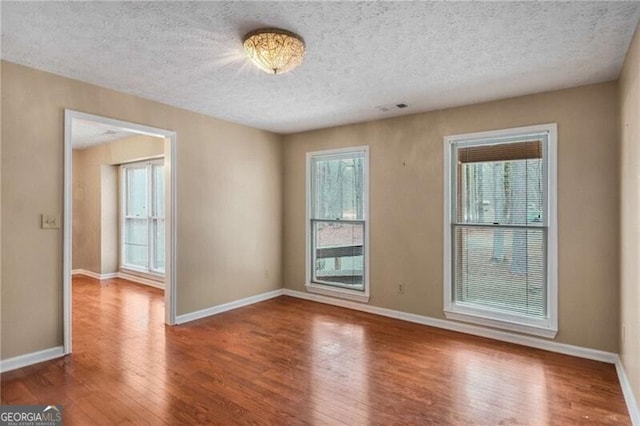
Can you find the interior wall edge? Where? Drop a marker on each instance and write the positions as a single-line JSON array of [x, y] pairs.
[[627, 393]]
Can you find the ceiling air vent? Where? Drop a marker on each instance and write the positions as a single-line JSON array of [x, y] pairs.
[[391, 107]]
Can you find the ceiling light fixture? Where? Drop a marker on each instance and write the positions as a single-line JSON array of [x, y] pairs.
[[273, 50]]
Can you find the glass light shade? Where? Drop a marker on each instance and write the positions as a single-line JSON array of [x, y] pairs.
[[273, 50]]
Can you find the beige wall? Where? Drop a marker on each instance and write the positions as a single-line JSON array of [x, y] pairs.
[[229, 202], [630, 216], [1, 202], [109, 219], [95, 199], [406, 208], [231, 182]]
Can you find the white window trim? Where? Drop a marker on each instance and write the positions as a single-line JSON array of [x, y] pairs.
[[547, 327], [328, 290], [124, 267]]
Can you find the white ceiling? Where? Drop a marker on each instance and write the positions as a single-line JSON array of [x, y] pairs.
[[360, 55], [89, 133]]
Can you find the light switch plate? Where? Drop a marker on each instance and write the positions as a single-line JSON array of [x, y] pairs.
[[50, 221]]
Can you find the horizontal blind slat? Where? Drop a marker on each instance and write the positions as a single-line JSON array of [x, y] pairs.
[[501, 268]]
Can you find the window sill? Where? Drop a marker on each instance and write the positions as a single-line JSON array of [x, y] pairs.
[[339, 293], [494, 321]]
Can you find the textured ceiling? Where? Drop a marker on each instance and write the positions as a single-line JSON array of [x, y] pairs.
[[89, 133], [361, 55]]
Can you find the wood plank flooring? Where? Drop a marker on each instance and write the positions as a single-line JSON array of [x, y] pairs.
[[289, 361]]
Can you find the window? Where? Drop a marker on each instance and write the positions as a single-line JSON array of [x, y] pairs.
[[500, 229], [337, 229], [142, 243]]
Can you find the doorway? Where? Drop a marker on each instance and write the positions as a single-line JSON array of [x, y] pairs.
[[74, 121]]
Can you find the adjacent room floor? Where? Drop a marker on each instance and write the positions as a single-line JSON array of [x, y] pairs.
[[289, 361]]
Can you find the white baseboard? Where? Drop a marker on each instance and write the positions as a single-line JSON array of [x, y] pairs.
[[31, 358], [86, 273], [141, 280], [181, 319], [504, 336], [629, 398], [123, 275], [109, 276]]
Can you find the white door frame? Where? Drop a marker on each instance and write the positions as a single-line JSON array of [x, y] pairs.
[[170, 231]]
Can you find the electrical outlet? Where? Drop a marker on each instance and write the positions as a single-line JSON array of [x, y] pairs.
[[267, 274], [401, 288], [50, 221]]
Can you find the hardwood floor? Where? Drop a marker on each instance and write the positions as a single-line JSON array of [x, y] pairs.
[[289, 361]]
